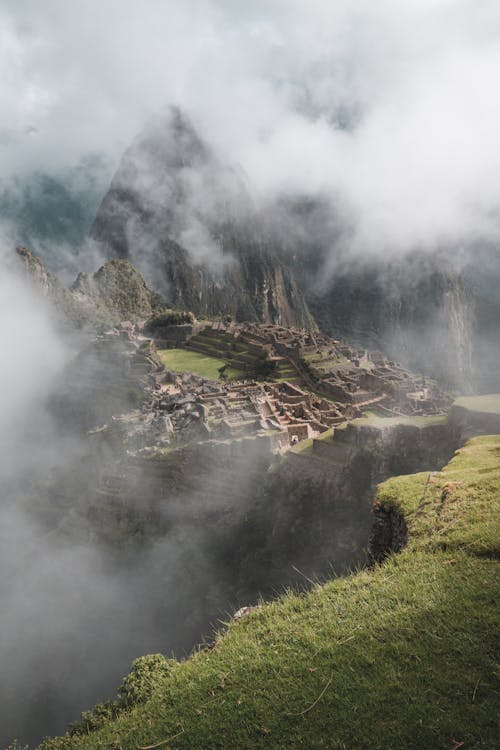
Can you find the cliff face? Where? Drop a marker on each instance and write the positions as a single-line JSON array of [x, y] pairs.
[[261, 518], [416, 309], [315, 513], [483, 278], [187, 222], [486, 363]]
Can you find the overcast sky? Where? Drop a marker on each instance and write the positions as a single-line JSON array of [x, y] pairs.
[[393, 106]]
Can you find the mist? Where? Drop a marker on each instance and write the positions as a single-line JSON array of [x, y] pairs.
[[389, 110], [75, 611], [83, 592]]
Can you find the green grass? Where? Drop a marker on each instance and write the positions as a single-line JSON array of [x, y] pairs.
[[376, 413], [219, 345], [324, 398], [400, 657], [458, 508], [489, 403], [183, 360]]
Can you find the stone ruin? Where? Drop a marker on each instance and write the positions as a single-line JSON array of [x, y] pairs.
[[342, 373], [333, 383]]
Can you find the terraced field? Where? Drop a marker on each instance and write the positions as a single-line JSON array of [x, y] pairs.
[[240, 355]]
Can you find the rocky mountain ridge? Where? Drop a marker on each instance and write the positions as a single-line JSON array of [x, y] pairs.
[[116, 292]]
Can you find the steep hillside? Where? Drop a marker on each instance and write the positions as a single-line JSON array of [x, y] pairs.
[[116, 292], [401, 656], [416, 309], [187, 221], [486, 344]]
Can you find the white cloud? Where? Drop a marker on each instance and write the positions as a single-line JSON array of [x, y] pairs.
[[391, 107]]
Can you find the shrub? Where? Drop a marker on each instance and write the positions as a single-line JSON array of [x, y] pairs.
[[263, 367], [147, 673]]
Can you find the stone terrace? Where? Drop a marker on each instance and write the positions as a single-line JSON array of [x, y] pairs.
[[344, 374], [318, 383]]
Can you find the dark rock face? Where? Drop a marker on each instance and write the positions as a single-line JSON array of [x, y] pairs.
[[266, 523], [416, 309], [471, 422], [188, 223], [389, 533], [316, 509], [486, 345]]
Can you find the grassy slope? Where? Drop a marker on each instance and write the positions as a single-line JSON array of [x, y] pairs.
[[183, 360], [398, 657]]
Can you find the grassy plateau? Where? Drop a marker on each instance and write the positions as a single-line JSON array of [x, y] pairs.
[[184, 360], [400, 656]]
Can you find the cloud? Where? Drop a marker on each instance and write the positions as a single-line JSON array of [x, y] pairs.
[[389, 108], [32, 356]]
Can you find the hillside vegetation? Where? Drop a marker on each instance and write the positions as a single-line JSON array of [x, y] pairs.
[[401, 656]]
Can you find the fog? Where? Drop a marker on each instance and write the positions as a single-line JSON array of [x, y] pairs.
[[80, 598], [74, 610], [388, 108]]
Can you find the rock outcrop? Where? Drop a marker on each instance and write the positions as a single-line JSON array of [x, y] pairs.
[[116, 292]]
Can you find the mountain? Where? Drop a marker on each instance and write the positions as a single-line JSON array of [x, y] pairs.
[[416, 308], [116, 292], [482, 276], [187, 221], [435, 312]]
